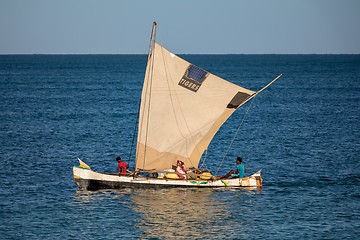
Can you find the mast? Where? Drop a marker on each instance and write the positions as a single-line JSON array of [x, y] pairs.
[[152, 39]]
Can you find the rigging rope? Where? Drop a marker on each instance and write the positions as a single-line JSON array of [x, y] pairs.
[[203, 162], [133, 140], [234, 136]]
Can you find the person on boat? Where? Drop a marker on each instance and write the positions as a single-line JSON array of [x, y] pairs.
[[122, 167], [240, 170], [180, 169]]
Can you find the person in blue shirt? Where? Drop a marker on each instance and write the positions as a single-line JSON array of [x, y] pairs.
[[240, 170]]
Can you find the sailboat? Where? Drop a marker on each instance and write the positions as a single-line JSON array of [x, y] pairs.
[[182, 107]]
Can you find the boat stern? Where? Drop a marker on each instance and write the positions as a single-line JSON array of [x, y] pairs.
[[254, 180]]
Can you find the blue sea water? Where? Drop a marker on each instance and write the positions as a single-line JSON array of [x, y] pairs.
[[303, 132]]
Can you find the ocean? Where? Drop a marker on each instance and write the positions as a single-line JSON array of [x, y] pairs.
[[303, 132]]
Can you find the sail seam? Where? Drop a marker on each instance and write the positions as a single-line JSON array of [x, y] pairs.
[[172, 103]]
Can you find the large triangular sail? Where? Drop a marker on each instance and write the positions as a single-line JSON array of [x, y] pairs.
[[182, 108]]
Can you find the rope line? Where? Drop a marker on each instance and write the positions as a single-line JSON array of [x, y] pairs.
[[133, 140], [148, 85], [203, 162], [234, 136], [150, 92]]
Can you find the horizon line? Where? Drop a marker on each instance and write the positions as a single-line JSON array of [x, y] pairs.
[[4, 54]]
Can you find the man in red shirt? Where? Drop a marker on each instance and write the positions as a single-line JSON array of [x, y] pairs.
[[122, 167]]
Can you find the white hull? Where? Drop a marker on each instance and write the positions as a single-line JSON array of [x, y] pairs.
[[87, 179]]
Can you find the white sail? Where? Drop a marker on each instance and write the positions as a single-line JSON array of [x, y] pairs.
[[182, 107]]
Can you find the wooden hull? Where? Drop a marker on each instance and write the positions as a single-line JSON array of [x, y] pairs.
[[86, 179]]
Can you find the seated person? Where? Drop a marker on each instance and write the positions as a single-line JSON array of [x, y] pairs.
[[122, 167], [240, 170], [180, 169]]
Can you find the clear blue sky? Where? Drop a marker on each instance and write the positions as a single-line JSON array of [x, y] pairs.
[[185, 26]]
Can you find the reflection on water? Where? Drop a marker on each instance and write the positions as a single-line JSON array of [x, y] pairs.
[[195, 213], [89, 196], [170, 213]]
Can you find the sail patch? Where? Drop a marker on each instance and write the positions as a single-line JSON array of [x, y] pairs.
[[193, 78], [237, 100]]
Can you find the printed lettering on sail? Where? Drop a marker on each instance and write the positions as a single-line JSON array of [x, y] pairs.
[[193, 78]]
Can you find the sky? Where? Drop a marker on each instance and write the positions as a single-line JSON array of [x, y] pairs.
[[184, 27]]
